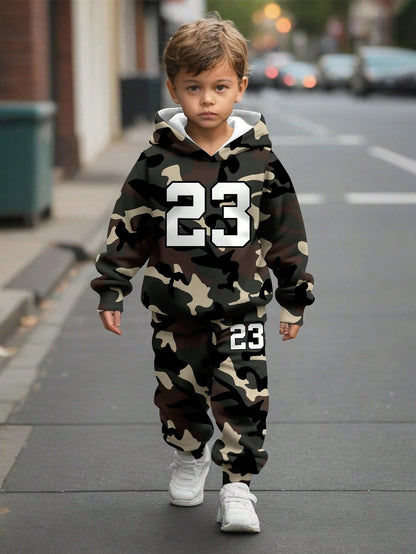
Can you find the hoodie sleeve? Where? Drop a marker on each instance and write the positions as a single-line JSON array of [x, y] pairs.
[[128, 241], [284, 243]]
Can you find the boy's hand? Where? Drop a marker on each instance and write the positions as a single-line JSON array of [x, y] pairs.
[[289, 330], [111, 321]]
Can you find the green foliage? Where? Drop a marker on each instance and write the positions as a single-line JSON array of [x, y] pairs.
[[309, 15], [312, 15], [404, 26], [239, 11]]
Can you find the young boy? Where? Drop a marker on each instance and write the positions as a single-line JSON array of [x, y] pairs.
[[211, 209]]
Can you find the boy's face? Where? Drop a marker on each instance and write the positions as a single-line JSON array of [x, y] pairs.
[[207, 99]]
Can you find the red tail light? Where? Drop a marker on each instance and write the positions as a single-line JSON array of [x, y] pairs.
[[289, 80], [272, 72]]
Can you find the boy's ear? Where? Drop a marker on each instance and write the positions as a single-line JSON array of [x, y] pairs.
[[242, 87], [172, 91]]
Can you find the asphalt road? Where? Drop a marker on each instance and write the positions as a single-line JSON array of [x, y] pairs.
[[341, 477], [353, 163]]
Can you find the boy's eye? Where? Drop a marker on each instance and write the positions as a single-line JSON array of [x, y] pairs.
[[221, 88], [193, 88]]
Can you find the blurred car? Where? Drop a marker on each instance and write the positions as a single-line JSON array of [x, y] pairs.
[[335, 70], [262, 73], [279, 58], [297, 75], [265, 69], [383, 68]]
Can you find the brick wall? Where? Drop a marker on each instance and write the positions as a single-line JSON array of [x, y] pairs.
[[66, 144], [24, 50]]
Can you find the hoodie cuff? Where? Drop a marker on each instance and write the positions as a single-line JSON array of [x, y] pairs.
[[111, 300], [288, 317]]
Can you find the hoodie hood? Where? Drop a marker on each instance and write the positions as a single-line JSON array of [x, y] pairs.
[[167, 134]]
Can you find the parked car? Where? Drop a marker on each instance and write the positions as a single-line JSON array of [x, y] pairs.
[[266, 68], [383, 68], [279, 58], [297, 75], [262, 73], [335, 70]]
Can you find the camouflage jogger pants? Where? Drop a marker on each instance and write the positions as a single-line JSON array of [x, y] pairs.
[[225, 371]]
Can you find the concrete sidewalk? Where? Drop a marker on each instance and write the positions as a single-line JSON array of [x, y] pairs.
[[83, 467], [34, 260]]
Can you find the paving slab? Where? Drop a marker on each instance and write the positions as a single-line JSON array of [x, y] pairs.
[[367, 276], [15, 385], [78, 384], [144, 523], [357, 370], [37, 345], [19, 374], [97, 457], [12, 440], [338, 378], [6, 406], [302, 457]]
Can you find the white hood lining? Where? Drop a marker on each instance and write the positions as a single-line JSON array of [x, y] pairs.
[[240, 120]]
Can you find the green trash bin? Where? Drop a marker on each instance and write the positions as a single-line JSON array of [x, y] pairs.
[[26, 160]]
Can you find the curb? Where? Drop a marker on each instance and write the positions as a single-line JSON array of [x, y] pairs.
[[21, 373], [14, 304], [39, 278], [43, 274], [32, 286]]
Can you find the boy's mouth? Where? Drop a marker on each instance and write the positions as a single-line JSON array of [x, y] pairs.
[[207, 114]]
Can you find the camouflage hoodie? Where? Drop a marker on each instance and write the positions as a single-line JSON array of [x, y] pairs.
[[210, 227]]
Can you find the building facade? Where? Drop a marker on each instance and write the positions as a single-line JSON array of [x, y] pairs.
[[78, 53]]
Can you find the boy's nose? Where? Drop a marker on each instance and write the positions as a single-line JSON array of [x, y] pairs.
[[207, 97]]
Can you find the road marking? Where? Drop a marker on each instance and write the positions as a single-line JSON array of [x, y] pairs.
[[351, 140], [357, 198], [299, 121], [311, 198], [408, 164], [305, 124], [387, 198], [314, 140]]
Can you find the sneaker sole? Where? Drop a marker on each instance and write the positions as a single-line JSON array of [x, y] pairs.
[[187, 503], [236, 527], [239, 529]]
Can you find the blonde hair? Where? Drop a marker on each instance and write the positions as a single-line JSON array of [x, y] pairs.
[[204, 43]]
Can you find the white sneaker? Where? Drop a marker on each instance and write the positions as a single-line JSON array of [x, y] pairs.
[[186, 486], [236, 512]]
